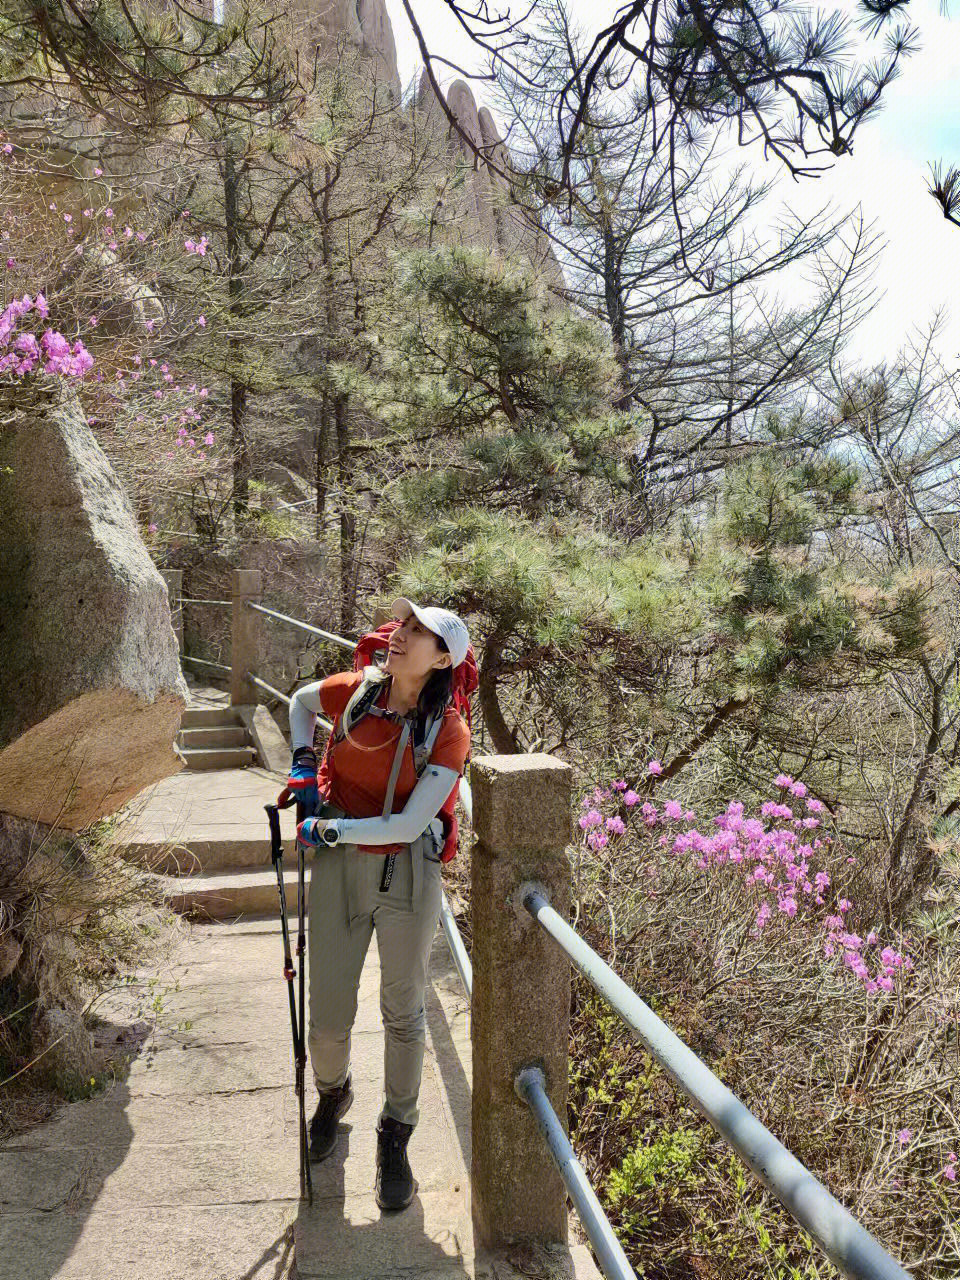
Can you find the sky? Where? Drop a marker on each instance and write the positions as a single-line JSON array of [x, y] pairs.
[[886, 176]]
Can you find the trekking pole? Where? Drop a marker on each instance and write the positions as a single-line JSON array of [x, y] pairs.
[[296, 1023], [301, 1065]]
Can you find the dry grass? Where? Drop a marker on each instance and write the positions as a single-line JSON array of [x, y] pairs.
[[75, 919]]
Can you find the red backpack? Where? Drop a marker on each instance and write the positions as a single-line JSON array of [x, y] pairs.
[[371, 649]]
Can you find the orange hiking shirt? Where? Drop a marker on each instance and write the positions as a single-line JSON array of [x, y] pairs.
[[355, 779]]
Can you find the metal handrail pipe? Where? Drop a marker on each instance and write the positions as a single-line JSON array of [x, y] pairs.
[[191, 600], [304, 626], [530, 1084], [848, 1245], [262, 684], [455, 943], [204, 662]]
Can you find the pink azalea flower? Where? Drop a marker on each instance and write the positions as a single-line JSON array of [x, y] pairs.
[[68, 217], [208, 438], [949, 1172], [630, 798], [655, 767], [201, 321], [93, 322], [151, 528], [7, 149], [98, 173]]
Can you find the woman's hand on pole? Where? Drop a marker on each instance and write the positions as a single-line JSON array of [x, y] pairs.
[[302, 782]]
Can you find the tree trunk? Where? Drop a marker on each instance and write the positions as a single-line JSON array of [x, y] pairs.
[[613, 300], [320, 475], [238, 446], [909, 868], [348, 520], [504, 741], [238, 391]]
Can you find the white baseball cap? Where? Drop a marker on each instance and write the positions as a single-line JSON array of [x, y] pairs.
[[451, 629]]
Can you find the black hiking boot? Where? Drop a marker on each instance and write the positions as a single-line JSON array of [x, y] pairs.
[[323, 1127], [396, 1185]]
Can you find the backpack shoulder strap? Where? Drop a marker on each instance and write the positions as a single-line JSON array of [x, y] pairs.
[[422, 753], [359, 702]]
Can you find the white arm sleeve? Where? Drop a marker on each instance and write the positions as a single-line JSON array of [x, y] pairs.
[[435, 784], [304, 708]]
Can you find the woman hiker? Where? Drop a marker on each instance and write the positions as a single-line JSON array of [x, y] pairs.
[[367, 805]]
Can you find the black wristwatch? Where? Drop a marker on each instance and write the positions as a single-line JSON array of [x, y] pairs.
[[330, 835]]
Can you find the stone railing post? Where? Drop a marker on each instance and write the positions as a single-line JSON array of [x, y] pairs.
[[174, 580], [247, 584], [520, 1012]]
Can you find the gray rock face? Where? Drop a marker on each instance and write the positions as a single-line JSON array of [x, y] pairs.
[[363, 24], [376, 39], [500, 222], [92, 690], [462, 105]]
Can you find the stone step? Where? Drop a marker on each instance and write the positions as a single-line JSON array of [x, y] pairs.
[[207, 717], [229, 853], [233, 893], [225, 735], [219, 757]]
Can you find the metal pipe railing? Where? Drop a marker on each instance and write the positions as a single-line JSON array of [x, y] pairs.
[[455, 943], [304, 626], [204, 662], [530, 1084], [190, 600], [262, 684], [847, 1244]]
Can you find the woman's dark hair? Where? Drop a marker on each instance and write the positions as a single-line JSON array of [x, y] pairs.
[[436, 693]]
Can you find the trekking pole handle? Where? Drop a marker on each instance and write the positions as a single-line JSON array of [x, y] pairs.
[[276, 845]]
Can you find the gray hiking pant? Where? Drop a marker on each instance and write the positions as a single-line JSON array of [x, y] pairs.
[[346, 904]]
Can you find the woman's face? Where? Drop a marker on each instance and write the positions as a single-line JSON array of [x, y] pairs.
[[414, 651]]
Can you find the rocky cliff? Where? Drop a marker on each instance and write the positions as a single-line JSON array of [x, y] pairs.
[[499, 222]]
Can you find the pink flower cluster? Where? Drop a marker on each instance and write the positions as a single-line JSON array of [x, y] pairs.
[[774, 862], [52, 353], [197, 246]]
